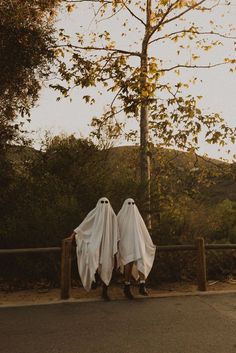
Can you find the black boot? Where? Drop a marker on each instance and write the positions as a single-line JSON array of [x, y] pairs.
[[96, 282], [127, 292], [143, 289], [94, 285], [105, 296]]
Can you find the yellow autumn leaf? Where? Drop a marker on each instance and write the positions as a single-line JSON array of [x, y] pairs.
[[70, 7], [153, 68], [59, 52], [195, 57], [207, 47], [164, 2], [145, 93], [86, 98], [175, 39]]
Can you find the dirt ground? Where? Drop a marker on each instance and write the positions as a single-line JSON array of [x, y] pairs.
[[45, 295]]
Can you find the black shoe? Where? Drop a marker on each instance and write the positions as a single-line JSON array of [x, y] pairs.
[[127, 292], [94, 285], [105, 296], [143, 289]]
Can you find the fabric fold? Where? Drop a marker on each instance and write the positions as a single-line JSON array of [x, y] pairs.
[[135, 242], [96, 243]]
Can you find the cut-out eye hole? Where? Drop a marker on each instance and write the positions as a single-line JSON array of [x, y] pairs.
[[133, 203], [104, 201], [129, 203]]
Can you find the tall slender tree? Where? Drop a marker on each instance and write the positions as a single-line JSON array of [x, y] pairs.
[[123, 55]]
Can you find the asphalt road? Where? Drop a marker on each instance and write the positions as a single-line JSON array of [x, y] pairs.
[[196, 324]]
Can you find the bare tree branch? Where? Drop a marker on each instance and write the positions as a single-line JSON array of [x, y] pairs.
[[162, 22], [193, 66], [115, 50], [96, 14], [169, 9], [133, 14], [193, 32], [114, 14], [212, 7], [79, 1]]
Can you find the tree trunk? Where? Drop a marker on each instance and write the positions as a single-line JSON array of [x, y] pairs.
[[145, 166], [145, 172]]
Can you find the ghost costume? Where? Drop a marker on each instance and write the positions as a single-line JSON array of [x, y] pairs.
[[135, 242], [96, 243]]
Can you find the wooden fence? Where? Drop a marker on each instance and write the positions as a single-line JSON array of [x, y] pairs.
[[200, 247]]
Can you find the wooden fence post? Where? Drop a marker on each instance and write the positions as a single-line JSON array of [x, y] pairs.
[[201, 264], [66, 269]]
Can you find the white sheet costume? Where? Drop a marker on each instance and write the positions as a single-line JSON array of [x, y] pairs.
[[96, 243], [135, 242]]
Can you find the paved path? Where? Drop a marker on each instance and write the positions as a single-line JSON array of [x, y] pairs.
[[196, 324]]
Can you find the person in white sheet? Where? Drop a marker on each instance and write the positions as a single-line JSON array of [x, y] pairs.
[[96, 245], [136, 249]]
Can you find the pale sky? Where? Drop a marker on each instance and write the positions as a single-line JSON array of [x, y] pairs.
[[217, 86]]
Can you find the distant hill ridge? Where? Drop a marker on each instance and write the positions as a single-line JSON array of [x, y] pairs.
[[123, 157]]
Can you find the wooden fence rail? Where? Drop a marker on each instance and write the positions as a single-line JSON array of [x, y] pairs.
[[200, 247], [29, 250]]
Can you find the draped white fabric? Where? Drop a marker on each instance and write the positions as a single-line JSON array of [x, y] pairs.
[[135, 242], [96, 240]]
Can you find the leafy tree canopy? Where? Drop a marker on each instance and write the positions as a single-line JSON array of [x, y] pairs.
[[26, 39], [141, 82]]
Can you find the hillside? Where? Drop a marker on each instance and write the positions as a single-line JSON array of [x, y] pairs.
[[218, 178]]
